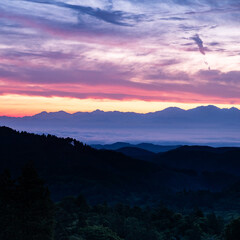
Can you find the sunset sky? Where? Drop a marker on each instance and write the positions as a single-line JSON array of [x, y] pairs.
[[125, 55]]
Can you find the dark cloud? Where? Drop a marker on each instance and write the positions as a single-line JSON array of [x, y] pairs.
[[169, 62], [89, 32], [231, 77], [15, 54], [214, 43], [199, 42], [162, 75], [114, 17], [173, 19], [190, 28], [215, 9]]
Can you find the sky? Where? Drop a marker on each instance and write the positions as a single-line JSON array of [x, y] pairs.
[[125, 55]]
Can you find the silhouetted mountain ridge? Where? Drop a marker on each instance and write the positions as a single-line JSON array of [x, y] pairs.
[[137, 153], [145, 146], [211, 112]]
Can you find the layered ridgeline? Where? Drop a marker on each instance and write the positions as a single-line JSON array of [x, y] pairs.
[[148, 147], [69, 168], [174, 126]]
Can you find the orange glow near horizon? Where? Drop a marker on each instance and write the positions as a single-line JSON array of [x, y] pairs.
[[19, 106]]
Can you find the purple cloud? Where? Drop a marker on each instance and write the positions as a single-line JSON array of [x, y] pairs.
[[199, 43]]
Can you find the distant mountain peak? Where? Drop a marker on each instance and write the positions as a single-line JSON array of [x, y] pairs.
[[61, 111], [209, 107], [45, 114], [173, 109], [234, 109], [97, 111], [206, 109]]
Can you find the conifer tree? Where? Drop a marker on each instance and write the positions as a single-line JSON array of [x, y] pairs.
[[8, 220], [34, 207]]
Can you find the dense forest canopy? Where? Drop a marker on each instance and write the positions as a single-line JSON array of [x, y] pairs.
[[27, 212]]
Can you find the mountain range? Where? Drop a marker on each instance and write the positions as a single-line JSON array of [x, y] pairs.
[[206, 125]]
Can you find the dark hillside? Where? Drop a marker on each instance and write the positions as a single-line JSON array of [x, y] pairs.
[[70, 167], [202, 158]]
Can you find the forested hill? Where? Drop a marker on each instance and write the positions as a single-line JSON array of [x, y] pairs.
[[70, 167]]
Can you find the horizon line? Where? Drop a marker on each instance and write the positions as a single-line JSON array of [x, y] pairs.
[[143, 113]]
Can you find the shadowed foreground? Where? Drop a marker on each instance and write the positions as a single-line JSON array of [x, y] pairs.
[[28, 213]]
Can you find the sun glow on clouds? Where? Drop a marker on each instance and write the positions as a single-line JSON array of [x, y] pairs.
[[121, 55]]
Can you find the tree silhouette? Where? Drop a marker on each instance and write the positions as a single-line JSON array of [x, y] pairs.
[[34, 207], [8, 220], [232, 231]]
